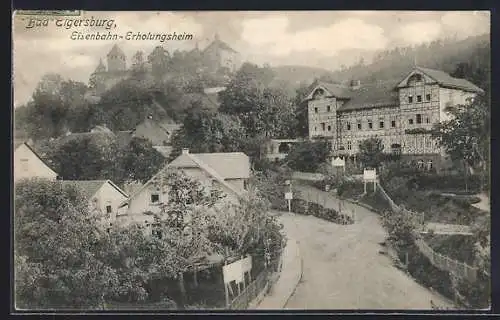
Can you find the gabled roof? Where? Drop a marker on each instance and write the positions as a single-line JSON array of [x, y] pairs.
[[332, 90], [230, 165], [116, 51], [97, 136], [373, 95], [164, 150], [219, 44], [445, 80], [23, 143], [90, 187], [190, 160]]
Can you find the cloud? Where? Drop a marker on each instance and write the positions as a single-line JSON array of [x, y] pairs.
[[271, 34], [464, 24], [418, 32]]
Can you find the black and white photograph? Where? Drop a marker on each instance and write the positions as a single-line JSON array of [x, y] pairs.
[[251, 160]]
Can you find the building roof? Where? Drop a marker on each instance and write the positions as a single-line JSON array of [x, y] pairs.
[[90, 187], [205, 99], [123, 138], [97, 137], [187, 160], [221, 45], [373, 95], [230, 165], [116, 51], [18, 144], [446, 80], [164, 150]]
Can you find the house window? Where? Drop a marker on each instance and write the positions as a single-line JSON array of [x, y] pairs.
[[393, 123], [349, 145], [348, 126], [328, 108], [315, 129], [155, 198], [381, 124], [410, 121], [427, 120], [359, 126], [419, 98], [428, 143], [323, 126], [245, 185], [109, 209], [329, 128], [429, 165], [315, 110], [428, 97], [410, 99], [419, 118], [370, 124]]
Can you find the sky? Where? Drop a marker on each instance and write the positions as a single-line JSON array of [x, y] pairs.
[[312, 38]]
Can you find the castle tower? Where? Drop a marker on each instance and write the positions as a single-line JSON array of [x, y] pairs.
[[116, 59], [100, 67]]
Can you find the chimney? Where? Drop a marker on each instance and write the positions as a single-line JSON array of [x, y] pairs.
[[185, 151], [355, 84]]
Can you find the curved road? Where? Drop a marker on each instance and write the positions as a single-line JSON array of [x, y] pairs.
[[342, 266]]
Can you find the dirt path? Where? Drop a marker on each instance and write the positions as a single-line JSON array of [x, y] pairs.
[[342, 266]]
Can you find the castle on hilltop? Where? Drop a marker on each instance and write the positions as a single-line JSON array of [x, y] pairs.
[[216, 56]]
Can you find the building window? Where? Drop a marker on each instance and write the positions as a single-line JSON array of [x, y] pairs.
[[155, 198], [359, 126], [419, 118], [109, 209], [315, 129], [428, 143], [393, 123], [419, 98], [427, 120], [315, 110], [245, 185], [410, 121], [349, 145], [428, 97], [381, 124], [370, 124], [348, 126], [328, 108], [329, 128], [410, 99], [323, 126], [429, 165]]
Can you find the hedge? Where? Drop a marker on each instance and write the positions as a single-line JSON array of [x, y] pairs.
[[300, 206]]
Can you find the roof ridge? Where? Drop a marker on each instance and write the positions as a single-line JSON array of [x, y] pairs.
[[213, 172]]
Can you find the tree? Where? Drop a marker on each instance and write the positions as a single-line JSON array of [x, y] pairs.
[[261, 108], [87, 159], [301, 112], [466, 136], [371, 152], [207, 131], [308, 155], [159, 60], [55, 249], [140, 161]]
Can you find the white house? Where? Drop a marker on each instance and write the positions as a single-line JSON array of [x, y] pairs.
[[28, 164], [104, 195], [228, 172]]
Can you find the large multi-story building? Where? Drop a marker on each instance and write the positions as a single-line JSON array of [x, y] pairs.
[[399, 113]]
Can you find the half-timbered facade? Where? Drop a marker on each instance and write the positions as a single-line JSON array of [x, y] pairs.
[[399, 113]]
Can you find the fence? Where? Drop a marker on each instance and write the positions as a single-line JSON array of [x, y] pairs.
[[257, 287], [457, 268]]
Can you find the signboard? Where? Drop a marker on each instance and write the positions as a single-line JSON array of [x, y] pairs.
[[233, 272], [236, 270], [369, 175], [246, 264], [338, 162], [288, 196]]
